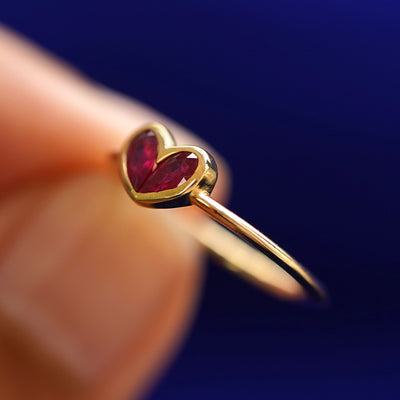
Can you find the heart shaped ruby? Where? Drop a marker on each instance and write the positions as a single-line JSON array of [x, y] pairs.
[[148, 176]]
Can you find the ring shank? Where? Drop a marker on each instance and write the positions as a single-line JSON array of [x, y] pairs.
[[248, 261]]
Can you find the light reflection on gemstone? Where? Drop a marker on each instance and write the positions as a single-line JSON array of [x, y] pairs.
[[182, 182], [141, 158], [171, 172], [146, 176]]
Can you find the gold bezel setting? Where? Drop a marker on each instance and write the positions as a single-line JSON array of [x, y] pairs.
[[203, 178]]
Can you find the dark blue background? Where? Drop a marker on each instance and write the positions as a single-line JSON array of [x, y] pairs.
[[302, 98]]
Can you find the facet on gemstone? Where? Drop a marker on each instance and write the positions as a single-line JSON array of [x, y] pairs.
[[141, 156], [144, 173], [171, 173]]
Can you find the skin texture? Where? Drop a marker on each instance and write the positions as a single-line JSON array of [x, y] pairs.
[[95, 291]]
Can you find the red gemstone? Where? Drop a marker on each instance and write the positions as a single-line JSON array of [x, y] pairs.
[[174, 171], [141, 156], [146, 176]]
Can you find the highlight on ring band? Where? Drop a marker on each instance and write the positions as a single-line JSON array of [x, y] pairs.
[[159, 174]]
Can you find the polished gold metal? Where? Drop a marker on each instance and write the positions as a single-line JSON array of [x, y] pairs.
[[263, 262]]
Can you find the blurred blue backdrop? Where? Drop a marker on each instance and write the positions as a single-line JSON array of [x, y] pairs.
[[316, 84]]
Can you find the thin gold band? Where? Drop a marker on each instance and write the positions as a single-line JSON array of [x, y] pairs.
[[243, 260]]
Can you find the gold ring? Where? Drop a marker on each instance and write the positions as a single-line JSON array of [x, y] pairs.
[[159, 174]]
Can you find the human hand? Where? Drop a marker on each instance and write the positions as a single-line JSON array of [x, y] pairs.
[[95, 291]]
